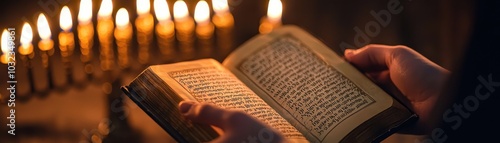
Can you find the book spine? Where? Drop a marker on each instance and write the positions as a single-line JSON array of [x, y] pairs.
[[166, 126]]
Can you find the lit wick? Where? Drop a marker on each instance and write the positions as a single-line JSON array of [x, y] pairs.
[[123, 35], [66, 40], [165, 31], [273, 19], [184, 25], [105, 28], [46, 45]]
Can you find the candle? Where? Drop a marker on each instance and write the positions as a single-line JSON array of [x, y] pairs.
[[86, 34], [273, 19], [164, 29], [105, 27], [66, 39], [123, 36], [144, 24], [26, 48], [222, 18], [46, 45], [5, 46], [224, 23], [204, 28], [184, 25], [26, 52]]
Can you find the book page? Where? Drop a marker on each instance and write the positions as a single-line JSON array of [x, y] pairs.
[[207, 81], [323, 99]]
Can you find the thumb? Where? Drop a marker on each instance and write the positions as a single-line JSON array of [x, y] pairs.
[[202, 113], [371, 57]]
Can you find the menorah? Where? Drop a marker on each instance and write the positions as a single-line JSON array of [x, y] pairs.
[[111, 50]]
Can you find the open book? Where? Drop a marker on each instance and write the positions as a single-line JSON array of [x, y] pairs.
[[286, 79]]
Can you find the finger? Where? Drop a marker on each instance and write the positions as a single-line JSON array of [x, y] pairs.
[[370, 57], [203, 113], [237, 125]]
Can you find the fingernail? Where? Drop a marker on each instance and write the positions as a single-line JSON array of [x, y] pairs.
[[348, 52], [184, 106]]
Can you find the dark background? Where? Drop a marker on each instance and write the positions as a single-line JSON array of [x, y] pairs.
[[80, 110]]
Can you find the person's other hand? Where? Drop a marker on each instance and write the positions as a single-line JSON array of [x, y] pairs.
[[401, 70], [236, 125]]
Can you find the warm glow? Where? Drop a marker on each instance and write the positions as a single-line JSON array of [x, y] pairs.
[[43, 27], [106, 9], [122, 18], [220, 6], [274, 10], [5, 41], [65, 20], [85, 14], [162, 11], [180, 10], [26, 35], [143, 7], [202, 12]]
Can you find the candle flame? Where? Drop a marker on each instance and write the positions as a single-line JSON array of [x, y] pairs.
[[162, 11], [65, 19], [106, 9], [122, 18], [43, 27], [274, 10], [202, 12], [220, 6], [180, 10], [5, 41], [85, 14], [143, 7], [26, 35]]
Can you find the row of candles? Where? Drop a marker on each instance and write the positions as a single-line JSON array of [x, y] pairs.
[[120, 31]]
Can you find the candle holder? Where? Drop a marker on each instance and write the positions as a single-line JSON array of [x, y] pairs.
[[67, 46], [123, 39], [47, 50], [26, 55], [224, 23], [165, 34], [185, 34], [184, 26], [105, 27], [205, 31], [86, 40], [204, 34], [144, 24]]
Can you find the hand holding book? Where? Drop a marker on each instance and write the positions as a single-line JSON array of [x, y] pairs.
[[287, 80], [239, 127], [412, 78]]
